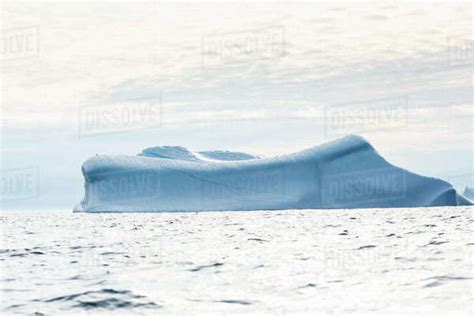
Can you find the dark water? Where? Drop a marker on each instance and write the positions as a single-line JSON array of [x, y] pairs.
[[377, 262]]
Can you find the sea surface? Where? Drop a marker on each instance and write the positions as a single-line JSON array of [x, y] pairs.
[[415, 261]]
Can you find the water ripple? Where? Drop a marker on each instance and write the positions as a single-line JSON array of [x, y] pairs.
[[105, 299]]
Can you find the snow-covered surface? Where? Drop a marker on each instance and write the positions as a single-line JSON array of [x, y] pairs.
[[181, 153], [219, 155], [345, 173], [169, 152], [331, 262]]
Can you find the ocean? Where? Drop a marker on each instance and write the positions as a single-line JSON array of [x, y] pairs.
[[411, 261]]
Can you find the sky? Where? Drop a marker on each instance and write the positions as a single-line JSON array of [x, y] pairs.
[[268, 78]]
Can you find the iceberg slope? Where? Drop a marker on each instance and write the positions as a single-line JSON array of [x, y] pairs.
[[469, 193], [345, 173]]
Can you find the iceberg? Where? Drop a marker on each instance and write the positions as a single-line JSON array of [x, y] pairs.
[[344, 173], [469, 193]]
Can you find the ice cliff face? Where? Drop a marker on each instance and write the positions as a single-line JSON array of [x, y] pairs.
[[345, 173]]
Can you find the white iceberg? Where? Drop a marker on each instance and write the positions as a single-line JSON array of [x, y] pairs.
[[345, 173]]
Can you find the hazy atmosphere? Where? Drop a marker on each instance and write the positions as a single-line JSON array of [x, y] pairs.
[[226, 158], [83, 78]]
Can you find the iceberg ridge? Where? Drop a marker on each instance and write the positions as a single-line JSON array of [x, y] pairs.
[[345, 173]]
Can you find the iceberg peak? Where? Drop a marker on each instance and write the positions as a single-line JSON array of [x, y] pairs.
[[169, 152]]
